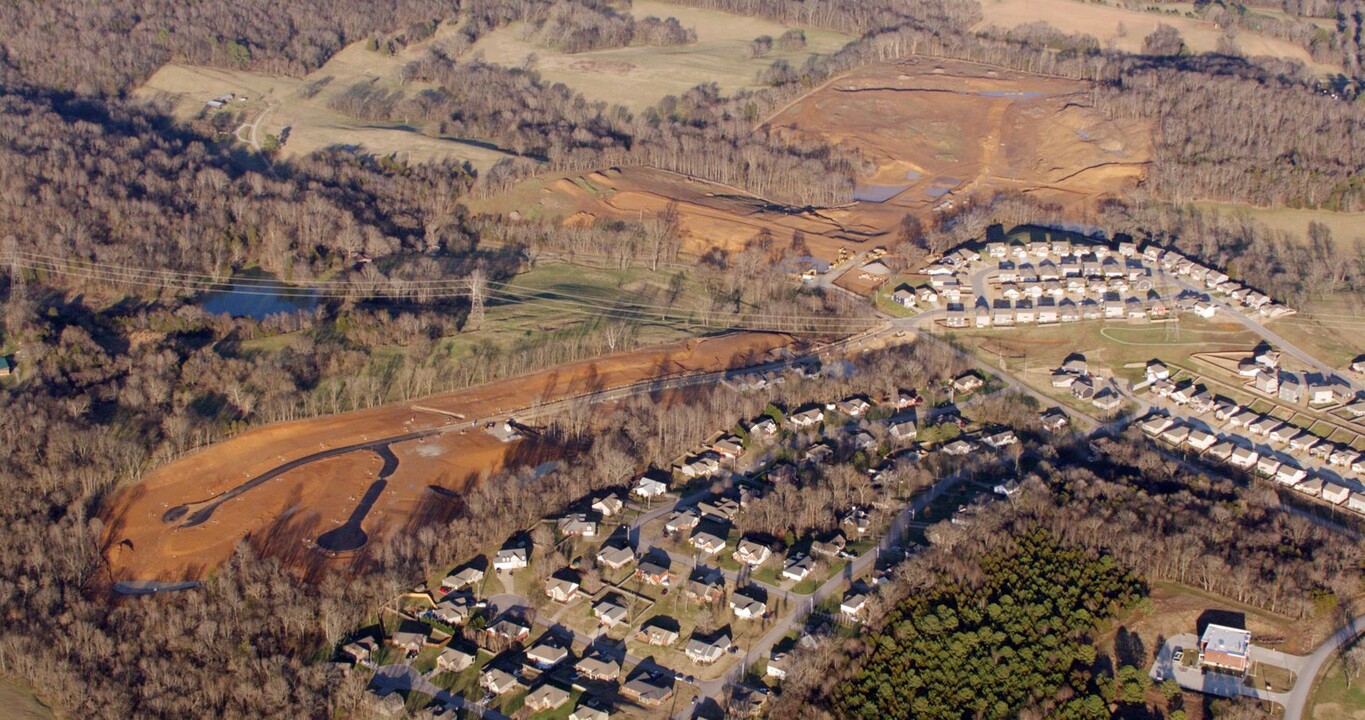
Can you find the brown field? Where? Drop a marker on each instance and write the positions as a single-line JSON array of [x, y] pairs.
[[282, 516], [274, 103], [1102, 21], [1348, 228], [941, 131], [712, 215], [638, 77]]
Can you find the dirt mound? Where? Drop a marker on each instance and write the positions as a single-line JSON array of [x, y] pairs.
[[318, 471]]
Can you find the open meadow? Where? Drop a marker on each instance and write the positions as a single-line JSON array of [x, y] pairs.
[[638, 77], [1124, 29], [272, 104]]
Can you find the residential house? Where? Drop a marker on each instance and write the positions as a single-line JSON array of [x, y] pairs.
[[983, 316], [1047, 311], [1183, 393], [497, 681], [361, 651], [546, 697], [648, 487], [766, 427], [1311, 486], [702, 465], [828, 548], [1221, 451], [609, 614], [816, 454], [729, 447], [1008, 489], [1283, 433], [904, 430], [854, 406], [509, 559], [1356, 502], [777, 666], [1024, 313], [752, 553], [463, 578], [1356, 409], [1199, 441], [798, 567], [599, 668], [807, 418], [956, 317], [657, 635], [681, 521], [707, 651], [718, 507], [509, 629], [967, 383], [615, 556], [1334, 492], [561, 590], [747, 607], [1156, 425], [1054, 420], [654, 573], [608, 506], [1243, 458], [1000, 439], [1263, 425], [1267, 466], [453, 610], [1290, 475], [649, 689], [1266, 382], [1177, 435], [1002, 315], [1083, 388], [1107, 400], [454, 659], [707, 543], [547, 653], [705, 589], [1291, 388], [1344, 456], [853, 605], [577, 525], [1067, 312], [1243, 419], [905, 297], [958, 448], [1157, 370]]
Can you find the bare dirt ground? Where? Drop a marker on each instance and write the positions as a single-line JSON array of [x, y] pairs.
[[712, 215], [1125, 29], [936, 131], [282, 516], [274, 103], [939, 131]]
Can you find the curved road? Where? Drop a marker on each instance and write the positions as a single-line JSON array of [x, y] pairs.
[[1297, 699]]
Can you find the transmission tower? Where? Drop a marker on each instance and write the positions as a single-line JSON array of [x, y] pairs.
[[477, 291]]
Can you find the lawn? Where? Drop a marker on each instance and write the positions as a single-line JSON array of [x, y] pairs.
[[638, 77], [18, 702], [1332, 699]]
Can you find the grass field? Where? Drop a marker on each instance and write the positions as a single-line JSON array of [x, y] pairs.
[[1104, 344], [638, 77], [273, 103], [1348, 228], [17, 702], [1332, 699], [1103, 21]]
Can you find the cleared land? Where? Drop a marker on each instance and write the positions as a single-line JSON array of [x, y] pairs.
[[939, 131], [1103, 22], [711, 215], [283, 515], [638, 77], [274, 103]]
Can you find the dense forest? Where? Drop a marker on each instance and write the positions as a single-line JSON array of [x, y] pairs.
[[1013, 634]]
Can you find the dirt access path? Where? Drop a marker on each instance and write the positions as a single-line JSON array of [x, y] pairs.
[[149, 535]]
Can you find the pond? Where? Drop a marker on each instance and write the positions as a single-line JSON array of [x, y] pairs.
[[257, 298]]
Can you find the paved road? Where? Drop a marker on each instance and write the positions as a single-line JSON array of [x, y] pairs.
[[1266, 333], [1297, 699]]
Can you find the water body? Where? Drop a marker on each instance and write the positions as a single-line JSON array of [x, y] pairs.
[[1011, 93], [877, 193], [257, 300]]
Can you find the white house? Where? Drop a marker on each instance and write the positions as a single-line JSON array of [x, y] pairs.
[[508, 559], [746, 607], [648, 487], [1335, 493], [752, 553]]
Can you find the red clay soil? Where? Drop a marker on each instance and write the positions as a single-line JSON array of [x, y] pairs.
[[282, 516]]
